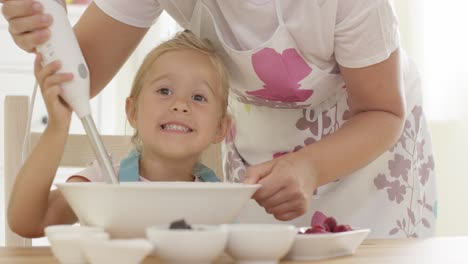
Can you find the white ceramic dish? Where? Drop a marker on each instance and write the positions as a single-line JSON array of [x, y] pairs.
[[202, 244], [326, 245], [66, 242], [127, 209], [259, 243], [119, 251], [71, 229]]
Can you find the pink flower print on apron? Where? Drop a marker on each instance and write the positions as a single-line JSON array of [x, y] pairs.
[[281, 74]]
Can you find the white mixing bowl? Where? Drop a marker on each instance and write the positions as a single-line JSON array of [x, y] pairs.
[[125, 210]]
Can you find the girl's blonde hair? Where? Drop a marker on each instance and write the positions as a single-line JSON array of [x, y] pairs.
[[184, 40]]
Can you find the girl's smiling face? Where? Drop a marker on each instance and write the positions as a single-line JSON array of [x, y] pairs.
[[179, 111]]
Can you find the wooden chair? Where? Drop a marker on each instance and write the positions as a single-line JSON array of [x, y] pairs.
[[77, 153]]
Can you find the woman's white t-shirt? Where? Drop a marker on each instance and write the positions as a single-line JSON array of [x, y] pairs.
[[353, 33]]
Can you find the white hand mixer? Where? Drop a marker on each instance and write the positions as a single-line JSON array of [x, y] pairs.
[[63, 45]]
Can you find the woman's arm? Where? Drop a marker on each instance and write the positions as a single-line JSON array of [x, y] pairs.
[[106, 44], [377, 105]]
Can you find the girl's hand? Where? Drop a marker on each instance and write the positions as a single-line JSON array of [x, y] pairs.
[[287, 185], [51, 88], [28, 25]]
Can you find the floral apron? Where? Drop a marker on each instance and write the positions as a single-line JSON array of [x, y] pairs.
[[282, 102]]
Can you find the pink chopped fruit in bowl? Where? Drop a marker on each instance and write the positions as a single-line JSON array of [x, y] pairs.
[[320, 223], [325, 239]]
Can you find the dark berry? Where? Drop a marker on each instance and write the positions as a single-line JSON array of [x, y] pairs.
[[180, 224], [330, 222], [317, 229], [342, 228]]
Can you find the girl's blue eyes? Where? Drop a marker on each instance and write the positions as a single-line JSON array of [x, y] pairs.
[[165, 91], [196, 97], [199, 98]]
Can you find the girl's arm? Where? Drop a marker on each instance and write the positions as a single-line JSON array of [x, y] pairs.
[[32, 205]]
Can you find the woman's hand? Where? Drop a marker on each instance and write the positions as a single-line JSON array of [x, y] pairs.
[[28, 25], [287, 185], [51, 87]]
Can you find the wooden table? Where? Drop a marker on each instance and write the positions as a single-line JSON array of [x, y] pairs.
[[405, 251]]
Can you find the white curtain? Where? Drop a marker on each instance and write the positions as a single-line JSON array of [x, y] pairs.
[[435, 35]]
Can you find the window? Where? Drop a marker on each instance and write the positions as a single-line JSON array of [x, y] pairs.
[[441, 34]]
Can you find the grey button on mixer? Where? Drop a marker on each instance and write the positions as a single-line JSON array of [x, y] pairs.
[[82, 71]]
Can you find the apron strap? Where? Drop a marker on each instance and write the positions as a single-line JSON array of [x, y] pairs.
[[129, 170], [204, 174], [279, 13], [130, 167]]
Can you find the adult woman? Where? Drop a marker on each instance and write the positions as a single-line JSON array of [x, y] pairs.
[[325, 102]]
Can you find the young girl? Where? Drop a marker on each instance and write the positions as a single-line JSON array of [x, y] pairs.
[[177, 106]]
